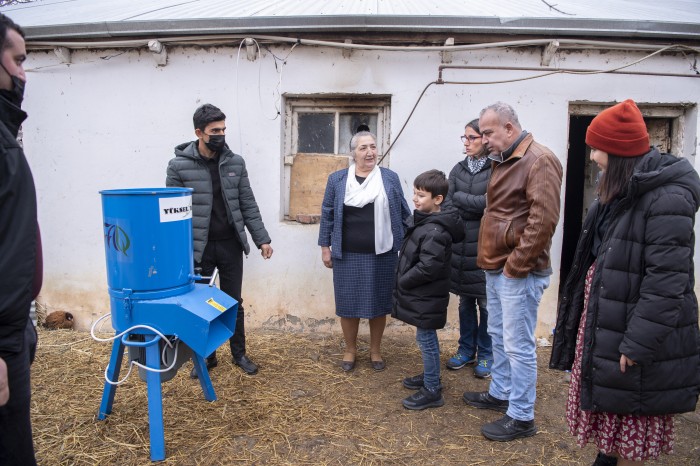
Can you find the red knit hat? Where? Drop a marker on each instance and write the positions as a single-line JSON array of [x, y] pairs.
[[619, 130]]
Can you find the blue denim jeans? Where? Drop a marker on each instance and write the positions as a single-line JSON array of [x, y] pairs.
[[474, 337], [430, 349], [513, 306]]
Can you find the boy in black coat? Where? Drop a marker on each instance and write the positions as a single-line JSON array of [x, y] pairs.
[[422, 289]]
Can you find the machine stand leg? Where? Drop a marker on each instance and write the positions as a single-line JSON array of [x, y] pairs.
[[155, 404], [154, 389], [115, 363], [203, 376]]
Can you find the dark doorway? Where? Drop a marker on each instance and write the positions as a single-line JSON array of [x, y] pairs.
[[576, 186], [582, 176]]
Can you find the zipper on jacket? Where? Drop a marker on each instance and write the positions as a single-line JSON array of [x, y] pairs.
[[223, 194], [597, 284]]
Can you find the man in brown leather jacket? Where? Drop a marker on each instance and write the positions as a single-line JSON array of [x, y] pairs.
[[522, 211]]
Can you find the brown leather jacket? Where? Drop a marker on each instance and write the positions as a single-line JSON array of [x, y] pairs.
[[522, 211]]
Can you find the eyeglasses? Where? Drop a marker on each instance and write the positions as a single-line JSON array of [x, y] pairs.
[[471, 138]]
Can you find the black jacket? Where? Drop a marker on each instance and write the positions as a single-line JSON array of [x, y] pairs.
[[422, 289], [18, 231], [642, 302], [467, 194], [188, 170]]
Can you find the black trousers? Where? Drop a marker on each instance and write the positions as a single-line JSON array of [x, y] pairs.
[[227, 255], [16, 446]]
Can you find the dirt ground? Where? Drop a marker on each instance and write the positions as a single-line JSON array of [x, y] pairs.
[[300, 409]]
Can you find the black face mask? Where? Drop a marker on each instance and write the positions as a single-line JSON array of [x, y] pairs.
[[16, 95], [216, 142]]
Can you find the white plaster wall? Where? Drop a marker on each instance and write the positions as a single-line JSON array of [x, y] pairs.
[[111, 120]]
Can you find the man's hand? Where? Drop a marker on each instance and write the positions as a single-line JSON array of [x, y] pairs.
[[4, 384], [326, 257], [624, 362], [266, 251]]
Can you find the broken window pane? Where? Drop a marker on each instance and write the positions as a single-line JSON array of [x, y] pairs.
[[316, 133], [349, 124]]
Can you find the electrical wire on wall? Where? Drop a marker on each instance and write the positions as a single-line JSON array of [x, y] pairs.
[[226, 39], [526, 78], [277, 93], [278, 68]]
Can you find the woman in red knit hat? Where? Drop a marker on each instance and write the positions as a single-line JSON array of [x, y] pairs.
[[627, 323]]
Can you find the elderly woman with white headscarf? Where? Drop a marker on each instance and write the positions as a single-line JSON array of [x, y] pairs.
[[362, 227]]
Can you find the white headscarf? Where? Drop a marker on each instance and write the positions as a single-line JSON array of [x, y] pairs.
[[372, 190]]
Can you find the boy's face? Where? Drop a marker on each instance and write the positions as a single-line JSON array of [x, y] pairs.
[[425, 202]]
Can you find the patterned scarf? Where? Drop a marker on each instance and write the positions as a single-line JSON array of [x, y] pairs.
[[475, 165]]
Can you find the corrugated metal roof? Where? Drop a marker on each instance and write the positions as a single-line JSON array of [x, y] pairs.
[[111, 18]]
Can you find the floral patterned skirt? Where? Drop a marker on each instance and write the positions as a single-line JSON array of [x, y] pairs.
[[635, 438]]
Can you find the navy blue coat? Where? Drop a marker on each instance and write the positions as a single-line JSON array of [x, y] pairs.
[[331, 229]]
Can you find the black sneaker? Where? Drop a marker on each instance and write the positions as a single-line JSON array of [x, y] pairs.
[[484, 400], [212, 362], [416, 382], [506, 429], [413, 383], [248, 366], [424, 398]]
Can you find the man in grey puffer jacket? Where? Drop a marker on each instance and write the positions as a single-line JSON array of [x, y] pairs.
[[223, 205]]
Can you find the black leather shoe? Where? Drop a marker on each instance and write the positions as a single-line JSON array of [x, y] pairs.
[[424, 398], [211, 361], [506, 429], [347, 366], [483, 400], [248, 366], [378, 366]]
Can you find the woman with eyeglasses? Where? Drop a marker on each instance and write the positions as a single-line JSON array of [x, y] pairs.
[[468, 181]]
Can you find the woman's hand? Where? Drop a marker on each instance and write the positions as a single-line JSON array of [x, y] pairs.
[[624, 362], [326, 257]]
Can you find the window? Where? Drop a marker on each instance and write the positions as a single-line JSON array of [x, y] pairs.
[[317, 143]]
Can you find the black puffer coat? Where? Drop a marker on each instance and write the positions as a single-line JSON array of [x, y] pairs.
[[422, 289], [18, 232], [467, 194], [642, 302], [188, 170]]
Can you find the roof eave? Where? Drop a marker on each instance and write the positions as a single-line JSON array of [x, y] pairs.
[[370, 23]]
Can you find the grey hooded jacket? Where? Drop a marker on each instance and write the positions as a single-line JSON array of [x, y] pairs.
[[189, 170]]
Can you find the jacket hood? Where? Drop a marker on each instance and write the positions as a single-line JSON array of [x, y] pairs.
[[656, 169], [448, 219], [189, 150]]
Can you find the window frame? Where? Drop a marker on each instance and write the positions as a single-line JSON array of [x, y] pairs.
[[337, 104]]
